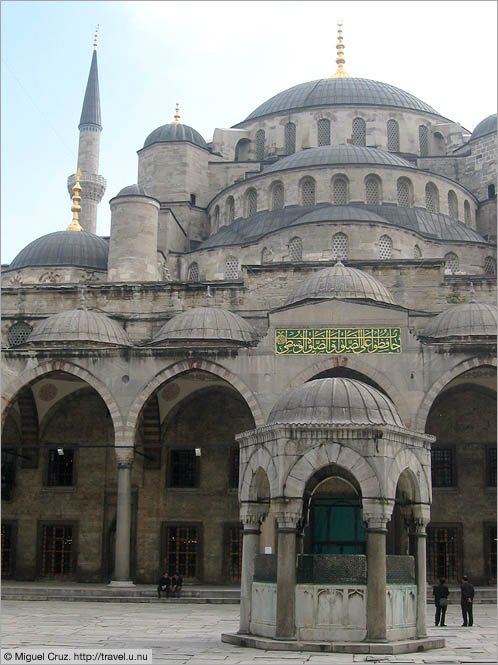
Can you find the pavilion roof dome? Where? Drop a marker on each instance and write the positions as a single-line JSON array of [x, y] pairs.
[[79, 325], [471, 319], [206, 324]]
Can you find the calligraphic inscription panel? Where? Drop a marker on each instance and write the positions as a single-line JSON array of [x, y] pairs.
[[311, 341]]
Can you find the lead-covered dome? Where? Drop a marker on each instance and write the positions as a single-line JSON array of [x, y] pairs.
[[175, 132], [340, 92], [341, 282], [64, 248], [335, 401], [471, 319], [79, 325], [206, 324], [486, 126]]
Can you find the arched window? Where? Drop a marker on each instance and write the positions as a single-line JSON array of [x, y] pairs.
[[296, 249], [193, 272], [431, 197], [251, 202], [216, 219], [266, 255], [392, 136], [490, 265], [290, 138], [230, 210], [18, 333], [452, 204], [466, 213], [359, 135], [308, 192], [385, 248], [417, 252], [404, 192], [323, 131], [242, 150], [340, 191], [372, 190], [260, 144], [423, 139], [231, 267], [340, 247], [451, 263], [277, 196]]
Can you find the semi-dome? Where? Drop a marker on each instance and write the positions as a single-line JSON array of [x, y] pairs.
[[486, 126], [340, 92], [344, 155], [175, 132], [341, 282], [471, 319], [335, 401], [64, 248], [205, 324], [79, 325]]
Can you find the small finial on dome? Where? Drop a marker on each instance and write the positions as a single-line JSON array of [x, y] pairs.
[[341, 73], [472, 293], [339, 264], [176, 121], [96, 38], [76, 208]]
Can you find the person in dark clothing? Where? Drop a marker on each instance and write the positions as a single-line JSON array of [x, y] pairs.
[[466, 601], [176, 585], [440, 593], [164, 584]]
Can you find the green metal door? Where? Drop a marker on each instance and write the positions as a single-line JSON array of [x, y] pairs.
[[337, 526]]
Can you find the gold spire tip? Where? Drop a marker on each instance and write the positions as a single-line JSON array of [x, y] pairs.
[[176, 120], [341, 73], [96, 38], [76, 208]]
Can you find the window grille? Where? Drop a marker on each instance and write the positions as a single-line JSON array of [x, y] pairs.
[[489, 265], [8, 473], [296, 249], [491, 551], [340, 191], [452, 204], [230, 210], [359, 136], [18, 333], [466, 212], [193, 272], [233, 481], [442, 467], [277, 196], [308, 193], [423, 138], [372, 191], [392, 136], [417, 252], [443, 544], [183, 465], [290, 138], [491, 466], [7, 550], [60, 467], [431, 197], [56, 551], [182, 545], [451, 263], [323, 129], [260, 144], [266, 255], [235, 539], [403, 188], [232, 268], [385, 248], [251, 202], [340, 246]]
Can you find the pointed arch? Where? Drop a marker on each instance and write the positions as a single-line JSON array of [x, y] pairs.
[[261, 458], [407, 461]]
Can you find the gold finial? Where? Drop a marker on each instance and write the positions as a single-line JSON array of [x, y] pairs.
[[341, 73], [76, 208], [96, 38], [176, 121]]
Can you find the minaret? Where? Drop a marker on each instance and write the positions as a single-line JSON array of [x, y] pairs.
[[92, 185]]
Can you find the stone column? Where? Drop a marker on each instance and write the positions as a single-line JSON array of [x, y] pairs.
[[123, 521], [376, 579], [420, 536], [287, 522], [250, 548]]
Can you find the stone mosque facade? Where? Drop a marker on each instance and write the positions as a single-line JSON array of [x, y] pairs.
[[283, 352]]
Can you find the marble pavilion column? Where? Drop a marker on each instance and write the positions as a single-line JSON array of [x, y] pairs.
[[288, 518], [420, 540], [376, 578], [123, 520], [250, 547]]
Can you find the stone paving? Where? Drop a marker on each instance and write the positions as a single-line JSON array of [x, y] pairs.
[[190, 634]]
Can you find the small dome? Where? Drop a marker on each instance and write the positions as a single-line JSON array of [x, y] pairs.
[[347, 155], [207, 324], [64, 248], [340, 282], [335, 401], [133, 190], [175, 132], [79, 325], [486, 126], [471, 319]]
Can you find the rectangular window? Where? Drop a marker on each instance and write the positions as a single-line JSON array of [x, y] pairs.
[[443, 553], [490, 552], [8, 473], [56, 550], [182, 548], [491, 466], [443, 467], [60, 467], [234, 553], [234, 467], [7, 550], [183, 468]]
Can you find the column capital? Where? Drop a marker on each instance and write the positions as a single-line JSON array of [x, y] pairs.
[[252, 515], [288, 513], [375, 521], [124, 456]]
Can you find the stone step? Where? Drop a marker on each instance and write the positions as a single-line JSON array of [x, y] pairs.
[[117, 599]]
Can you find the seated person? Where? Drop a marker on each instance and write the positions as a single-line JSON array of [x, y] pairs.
[[176, 585], [164, 584]]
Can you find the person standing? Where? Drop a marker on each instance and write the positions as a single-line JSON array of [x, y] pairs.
[[440, 593], [466, 601]]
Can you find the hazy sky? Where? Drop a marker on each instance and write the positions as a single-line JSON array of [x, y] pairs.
[[219, 60]]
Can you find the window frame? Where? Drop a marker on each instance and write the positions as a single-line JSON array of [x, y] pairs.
[[74, 524], [74, 453], [454, 468], [196, 470], [188, 524], [432, 526]]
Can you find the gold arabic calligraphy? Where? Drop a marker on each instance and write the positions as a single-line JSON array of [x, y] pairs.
[[337, 340]]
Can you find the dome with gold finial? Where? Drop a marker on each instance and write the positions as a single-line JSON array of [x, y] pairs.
[[175, 131]]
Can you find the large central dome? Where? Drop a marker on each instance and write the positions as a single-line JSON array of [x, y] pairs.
[[340, 92]]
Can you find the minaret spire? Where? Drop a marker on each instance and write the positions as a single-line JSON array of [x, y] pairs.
[[90, 126], [341, 73], [176, 120]]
